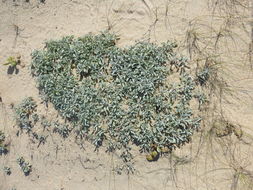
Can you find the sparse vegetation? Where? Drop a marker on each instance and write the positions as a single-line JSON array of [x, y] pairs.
[[61, 129], [25, 116], [3, 145], [25, 166], [7, 170], [41, 138], [45, 123], [203, 76]]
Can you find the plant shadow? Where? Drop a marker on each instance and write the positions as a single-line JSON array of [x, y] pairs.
[[12, 70]]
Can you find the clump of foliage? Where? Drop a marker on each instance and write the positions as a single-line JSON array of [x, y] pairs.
[[27, 118], [25, 114], [42, 1], [201, 98], [12, 61], [118, 97], [7, 170], [40, 138], [203, 76], [45, 123], [62, 129], [3, 146], [25, 166]]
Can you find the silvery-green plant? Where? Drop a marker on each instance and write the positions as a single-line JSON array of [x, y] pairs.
[[25, 116], [25, 166], [7, 170], [201, 98], [3, 145], [45, 123], [40, 138], [118, 96], [203, 76], [62, 129]]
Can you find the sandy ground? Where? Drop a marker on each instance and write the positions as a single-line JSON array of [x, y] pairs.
[[208, 162]]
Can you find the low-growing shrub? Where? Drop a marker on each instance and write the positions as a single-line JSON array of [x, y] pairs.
[[117, 97]]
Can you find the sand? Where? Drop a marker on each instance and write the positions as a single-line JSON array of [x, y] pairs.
[[200, 27]]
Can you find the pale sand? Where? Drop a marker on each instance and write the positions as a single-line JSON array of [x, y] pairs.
[[206, 163]]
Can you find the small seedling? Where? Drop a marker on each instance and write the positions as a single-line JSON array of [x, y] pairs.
[[201, 98], [45, 123], [12, 61], [7, 170], [35, 118], [61, 129], [3, 146], [203, 76], [2, 137], [41, 138], [25, 166], [3, 149]]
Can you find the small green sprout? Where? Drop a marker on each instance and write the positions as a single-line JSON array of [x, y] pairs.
[[12, 61]]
